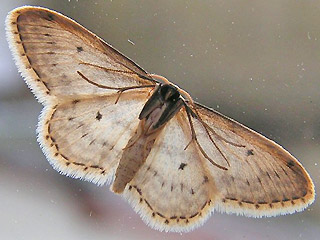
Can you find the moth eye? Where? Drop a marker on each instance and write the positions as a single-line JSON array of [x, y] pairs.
[[175, 96], [169, 92]]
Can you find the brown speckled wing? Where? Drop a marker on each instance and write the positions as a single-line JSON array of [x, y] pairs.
[[81, 129], [50, 49], [85, 138], [262, 179], [173, 190], [178, 188]]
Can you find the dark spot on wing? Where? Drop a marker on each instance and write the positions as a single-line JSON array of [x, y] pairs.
[[205, 179], [138, 190], [248, 183], [94, 166], [247, 201], [79, 164], [182, 165], [98, 116], [250, 152], [79, 49], [290, 164], [49, 17], [84, 135], [295, 197]]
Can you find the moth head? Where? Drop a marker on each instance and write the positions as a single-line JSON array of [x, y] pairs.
[[169, 93]]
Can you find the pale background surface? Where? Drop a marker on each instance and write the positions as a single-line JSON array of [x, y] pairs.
[[255, 61]]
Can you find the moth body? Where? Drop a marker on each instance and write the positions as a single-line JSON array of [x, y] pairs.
[[158, 110]]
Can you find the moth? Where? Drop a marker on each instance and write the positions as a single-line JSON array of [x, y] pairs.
[[108, 121]]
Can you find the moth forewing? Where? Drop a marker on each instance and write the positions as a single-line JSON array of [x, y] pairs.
[[50, 49]]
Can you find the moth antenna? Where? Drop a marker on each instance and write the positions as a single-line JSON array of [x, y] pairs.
[[162, 78]]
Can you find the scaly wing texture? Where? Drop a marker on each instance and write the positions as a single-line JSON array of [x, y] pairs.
[[84, 138], [50, 48], [173, 190], [177, 189], [81, 130], [263, 179]]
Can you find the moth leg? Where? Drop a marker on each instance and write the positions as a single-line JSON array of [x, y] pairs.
[[193, 133], [120, 90], [208, 128], [222, 138], [194, 138]]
